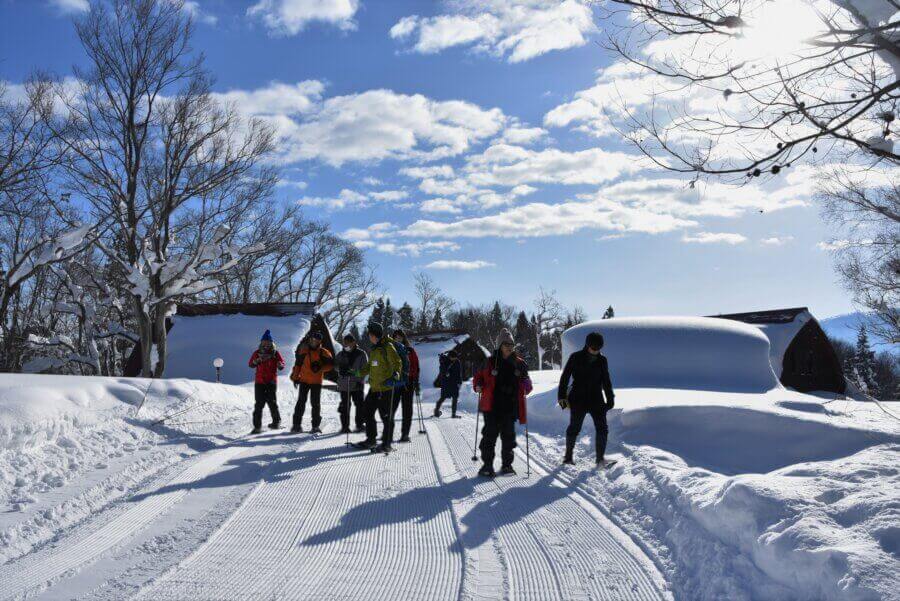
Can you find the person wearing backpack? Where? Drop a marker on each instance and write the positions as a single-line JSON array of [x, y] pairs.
[[349, 361], [311, 363], [383, 370], [267, 361], [410, 378], [450, 379]]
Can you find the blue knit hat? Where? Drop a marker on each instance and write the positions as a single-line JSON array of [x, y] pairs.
[[267, 336]]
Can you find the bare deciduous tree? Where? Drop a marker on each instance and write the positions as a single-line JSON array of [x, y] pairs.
[[868, 253], [759, 112], [430, 298], [162, 165], [547, 315]]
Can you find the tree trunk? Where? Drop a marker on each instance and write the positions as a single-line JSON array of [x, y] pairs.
[[540, 351], [161, 342]]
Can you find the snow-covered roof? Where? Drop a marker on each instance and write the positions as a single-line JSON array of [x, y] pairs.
[[698, 353], [780, 326], [194, 341]]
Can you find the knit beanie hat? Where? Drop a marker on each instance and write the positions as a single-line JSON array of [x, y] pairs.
[[594, 340], [266, 337], [505, 337], [376, 330]]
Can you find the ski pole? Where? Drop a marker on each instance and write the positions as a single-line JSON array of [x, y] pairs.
[[527, 452], [477, 415], [347, 413], [421, 419]]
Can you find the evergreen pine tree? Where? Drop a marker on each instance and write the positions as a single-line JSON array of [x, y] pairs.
[[437, 323], [387, 319], [863, 364], [405, 318], [354, 331], [524, 337], [422, 324], [609, 313], [377, 312]]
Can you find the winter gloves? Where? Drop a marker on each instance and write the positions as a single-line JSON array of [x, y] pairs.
[[563, 403]]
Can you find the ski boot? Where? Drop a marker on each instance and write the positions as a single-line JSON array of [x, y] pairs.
[[487, 471], [507, 470], [297, 429], [274, 426], [256, 431], [438, 412], [316, 430], [364, 444], [404, 439], [382, 448]]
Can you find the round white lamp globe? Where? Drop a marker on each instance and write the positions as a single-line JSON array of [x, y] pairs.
[[218, 362]]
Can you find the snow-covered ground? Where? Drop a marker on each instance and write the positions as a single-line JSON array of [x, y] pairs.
[[716, 495]]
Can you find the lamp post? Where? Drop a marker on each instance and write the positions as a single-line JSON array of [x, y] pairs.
[[218, 362]]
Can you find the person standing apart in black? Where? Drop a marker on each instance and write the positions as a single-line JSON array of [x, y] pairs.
[[589, 372]]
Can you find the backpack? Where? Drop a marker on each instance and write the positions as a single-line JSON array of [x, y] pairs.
[[404, 360]]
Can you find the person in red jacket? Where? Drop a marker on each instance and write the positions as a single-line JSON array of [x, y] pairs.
[[410, 388], [267, 361], [503, 385]]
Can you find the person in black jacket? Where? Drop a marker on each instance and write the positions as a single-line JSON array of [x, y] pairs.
[[589, 372]]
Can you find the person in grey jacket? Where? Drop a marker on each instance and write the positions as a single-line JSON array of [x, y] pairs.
[[348, 362]]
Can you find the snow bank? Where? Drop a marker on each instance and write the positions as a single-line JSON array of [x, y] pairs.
[[195, 341], [697, 353]]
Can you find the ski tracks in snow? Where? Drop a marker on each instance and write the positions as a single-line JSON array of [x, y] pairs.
[[325, 521]]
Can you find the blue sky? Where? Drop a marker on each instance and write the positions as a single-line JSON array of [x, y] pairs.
[[468, 138]]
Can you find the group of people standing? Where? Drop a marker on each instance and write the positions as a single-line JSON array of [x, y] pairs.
[[392, 370]]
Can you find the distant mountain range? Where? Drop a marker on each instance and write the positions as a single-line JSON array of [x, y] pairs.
[[846, 327]]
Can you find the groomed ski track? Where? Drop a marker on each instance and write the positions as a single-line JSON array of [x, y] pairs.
[[325, 521]]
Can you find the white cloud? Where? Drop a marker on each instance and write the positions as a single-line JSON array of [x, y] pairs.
[[382, 237], [517, 30], [347, 198], [276, 99], [192, 7], [776, 241], [71, 6], [523, 135], [459, 265], [290, 17], [714, 238], [296, 184], [541, 219], [439, 205]]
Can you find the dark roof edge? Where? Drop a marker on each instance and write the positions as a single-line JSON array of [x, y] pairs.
[[270, 309]]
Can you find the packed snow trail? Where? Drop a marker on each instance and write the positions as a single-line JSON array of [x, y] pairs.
[[325, 521]]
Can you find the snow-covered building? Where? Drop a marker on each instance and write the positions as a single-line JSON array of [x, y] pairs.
[[200, 333], [800, 352], [430, 345], [691, 353]]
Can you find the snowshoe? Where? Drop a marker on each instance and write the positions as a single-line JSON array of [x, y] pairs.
[[382, 448], [507, 470], [364, 444], [404, 439], [256, 431], [487, 471]]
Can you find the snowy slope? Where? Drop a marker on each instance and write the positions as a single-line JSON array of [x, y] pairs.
[[696, 353], [195, 341]]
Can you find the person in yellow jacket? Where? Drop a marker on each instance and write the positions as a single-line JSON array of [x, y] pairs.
[[311, 363], [383, 371]]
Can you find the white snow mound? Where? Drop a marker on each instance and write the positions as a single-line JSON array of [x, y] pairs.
[[698, 353]]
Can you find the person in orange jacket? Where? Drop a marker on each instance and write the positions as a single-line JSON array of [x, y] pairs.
[[266, 360], [311, 363]]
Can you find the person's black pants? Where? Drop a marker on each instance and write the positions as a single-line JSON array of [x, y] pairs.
[[356, 399], [502, 425], [380, 403], [453, 396], [314, 392], [577, 413], [265, 395], [404, 397]]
